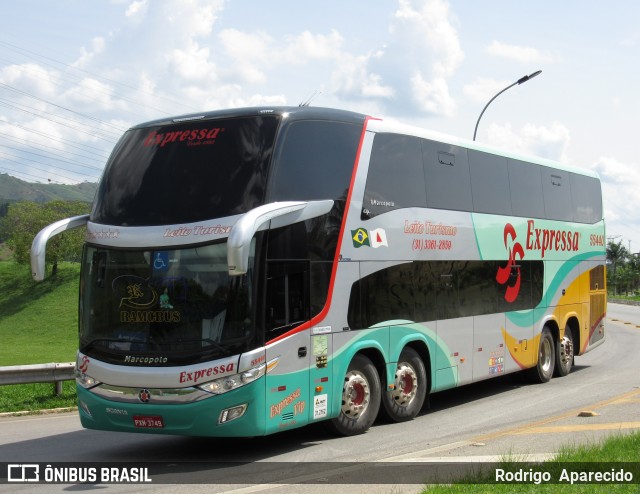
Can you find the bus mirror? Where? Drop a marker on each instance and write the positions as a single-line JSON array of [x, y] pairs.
[[278, 214], [39, 244]]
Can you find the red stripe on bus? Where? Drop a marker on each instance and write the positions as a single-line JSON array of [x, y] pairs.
[[323, 313]]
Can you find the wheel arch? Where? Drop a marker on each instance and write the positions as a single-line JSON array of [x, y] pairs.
[[552, 324], [573, 324], [368, 348], [422, 350]]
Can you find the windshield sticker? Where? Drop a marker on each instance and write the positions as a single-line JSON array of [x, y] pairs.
[[161, 261], [191, 137], [136, 293]]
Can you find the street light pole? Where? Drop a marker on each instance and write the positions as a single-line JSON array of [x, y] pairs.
[[519, 81]]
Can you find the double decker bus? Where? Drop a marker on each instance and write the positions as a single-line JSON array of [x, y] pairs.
[[253, 270]]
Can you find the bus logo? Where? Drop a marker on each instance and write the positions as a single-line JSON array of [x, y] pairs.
[[507, 272], [144, 396]]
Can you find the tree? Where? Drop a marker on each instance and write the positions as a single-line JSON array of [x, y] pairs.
[[616, 255], [25, 219]]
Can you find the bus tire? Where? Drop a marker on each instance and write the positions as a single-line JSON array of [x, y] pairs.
[[565, 353], [360, 398], [405, 400], [543, 371]]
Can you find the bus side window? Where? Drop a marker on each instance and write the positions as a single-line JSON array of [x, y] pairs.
[[447, 176], [396, 176]]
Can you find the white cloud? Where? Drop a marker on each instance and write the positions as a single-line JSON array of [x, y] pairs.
[[192, 17], [97, 47], [620, 185], [547, 142], [30, 78], [372, 87], [523, 54], [428, 25], [248, 53], [483, 89], [433, 96], [427, 52], [351, 78], [308, 46], [617, 174], [136, 9], [191, 63], [91, 95]]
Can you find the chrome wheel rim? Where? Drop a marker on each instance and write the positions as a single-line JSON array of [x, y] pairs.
[[405, 385], [356, 395]]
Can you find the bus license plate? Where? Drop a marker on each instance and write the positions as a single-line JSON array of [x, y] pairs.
[[148, 421]]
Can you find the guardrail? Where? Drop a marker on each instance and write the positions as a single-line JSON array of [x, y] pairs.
[[38, 373]]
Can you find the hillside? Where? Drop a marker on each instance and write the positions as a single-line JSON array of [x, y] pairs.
[[13, 189], [38, 321]]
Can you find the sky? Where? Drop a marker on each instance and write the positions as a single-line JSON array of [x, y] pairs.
[[75, 74]]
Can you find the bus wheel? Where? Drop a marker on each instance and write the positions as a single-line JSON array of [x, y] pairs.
[[405, 400], [565, 353], [543, 371], [360, 398]]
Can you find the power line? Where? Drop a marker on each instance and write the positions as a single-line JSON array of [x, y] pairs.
[[112, 81], [120, 130], [4, 158], [44, 148], [63, 124], [75, 163]]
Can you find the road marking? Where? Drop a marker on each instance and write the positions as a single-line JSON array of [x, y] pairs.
[[580, 428], [626, 323], [420, 456], [540, 423]]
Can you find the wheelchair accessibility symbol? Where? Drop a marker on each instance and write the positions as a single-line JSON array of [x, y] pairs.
[[161, 261]]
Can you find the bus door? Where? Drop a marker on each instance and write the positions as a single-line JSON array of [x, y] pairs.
[[286, 308], [455, 329]]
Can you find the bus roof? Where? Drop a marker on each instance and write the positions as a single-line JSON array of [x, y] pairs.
[[293, 112], [374, 124]]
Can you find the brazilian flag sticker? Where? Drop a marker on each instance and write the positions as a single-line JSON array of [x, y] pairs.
[[360, 237]]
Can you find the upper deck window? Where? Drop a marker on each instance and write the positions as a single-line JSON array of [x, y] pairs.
[[316, 161], [186, 172]]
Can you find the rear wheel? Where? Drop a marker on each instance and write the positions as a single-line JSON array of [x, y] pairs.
[[543, 371], [405, 400], [360, 398], [565, 353]]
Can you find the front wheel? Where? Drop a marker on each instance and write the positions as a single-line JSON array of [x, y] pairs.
[[565, 353], [360, 398], [405, 400], [543, 371]]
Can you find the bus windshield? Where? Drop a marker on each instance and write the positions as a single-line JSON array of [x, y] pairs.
[[186, 172], [164, 307]]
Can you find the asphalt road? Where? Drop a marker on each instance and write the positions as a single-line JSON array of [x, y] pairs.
[[480, 422]]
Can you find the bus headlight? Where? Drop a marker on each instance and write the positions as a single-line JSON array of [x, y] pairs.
[[85, 381], [228, 383]]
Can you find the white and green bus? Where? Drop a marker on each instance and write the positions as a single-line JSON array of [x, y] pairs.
[[253, 270]]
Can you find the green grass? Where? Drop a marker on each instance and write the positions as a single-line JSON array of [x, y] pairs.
[[613, 452], [36, 397], [38, 324], [38, 321]]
